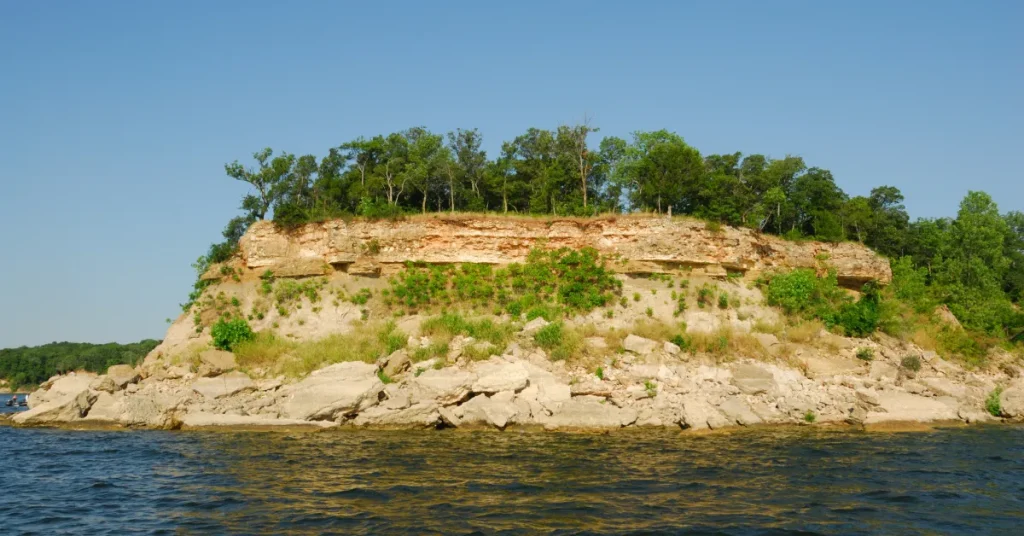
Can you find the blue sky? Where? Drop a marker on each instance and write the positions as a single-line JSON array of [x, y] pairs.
[[117, 117]]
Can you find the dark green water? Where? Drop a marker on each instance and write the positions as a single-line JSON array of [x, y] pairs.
[[788, 481]]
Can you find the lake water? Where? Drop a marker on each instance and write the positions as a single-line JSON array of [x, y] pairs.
[[762, 481]]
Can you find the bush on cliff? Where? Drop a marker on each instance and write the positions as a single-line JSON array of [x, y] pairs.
[[229, 333]]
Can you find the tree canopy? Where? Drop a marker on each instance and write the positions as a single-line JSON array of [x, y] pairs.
[[33, 365]]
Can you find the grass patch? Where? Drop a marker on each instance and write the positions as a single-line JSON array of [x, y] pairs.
[[366, 343]]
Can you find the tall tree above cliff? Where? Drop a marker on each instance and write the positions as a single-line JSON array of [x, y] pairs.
[[470, 165], [662, 171], [270, 180]]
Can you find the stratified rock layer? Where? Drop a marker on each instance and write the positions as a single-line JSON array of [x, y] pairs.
[[643, 244]]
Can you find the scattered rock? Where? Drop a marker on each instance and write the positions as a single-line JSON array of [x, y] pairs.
[[671, 348]]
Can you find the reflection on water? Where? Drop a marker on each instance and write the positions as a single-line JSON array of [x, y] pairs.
[[358, 482]]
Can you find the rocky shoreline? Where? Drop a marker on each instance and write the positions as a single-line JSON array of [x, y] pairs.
[[650, 384]]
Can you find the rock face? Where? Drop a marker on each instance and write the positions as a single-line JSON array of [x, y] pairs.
[[1011, 401], [218, 361], [649, 244]]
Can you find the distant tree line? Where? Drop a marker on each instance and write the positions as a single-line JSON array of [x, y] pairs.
[[34, 365], [974, 262]]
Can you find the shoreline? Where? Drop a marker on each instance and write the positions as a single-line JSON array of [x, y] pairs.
[[885, 427]]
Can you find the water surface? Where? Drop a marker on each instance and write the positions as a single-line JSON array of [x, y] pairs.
[[762, 481]]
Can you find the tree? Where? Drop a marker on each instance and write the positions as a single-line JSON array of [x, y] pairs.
[[270, 180], [394, 159], [889, 221], [425, 161], [663, 171], [470, 164], [572, 143]]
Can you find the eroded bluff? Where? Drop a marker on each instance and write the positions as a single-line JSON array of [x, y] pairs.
[[642, 244]]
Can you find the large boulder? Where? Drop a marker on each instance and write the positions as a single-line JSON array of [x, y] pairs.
[[751, 379], [396, 363], [639, 345], [106, 408], [122, 375], [445, 386], [334, 392], [585, 413], [69, 407], [497, 377], [149, 410], [223, 385], [218, 361], [497, 411], [60, 387], [1011, 401]]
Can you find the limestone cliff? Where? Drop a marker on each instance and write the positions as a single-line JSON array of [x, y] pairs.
[[643, 244]]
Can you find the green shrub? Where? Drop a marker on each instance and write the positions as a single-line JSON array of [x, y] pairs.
[[810, 417], [599, 373], [992, 404], [723, 301], [228, 333], [651, 388], [384, 378], [549, 336], [361, 297], [704, 296], [911, 363], [794, 291], [865, 354], [649, 312], [636, 296]]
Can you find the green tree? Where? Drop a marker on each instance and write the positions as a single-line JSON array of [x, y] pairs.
[[270, 180]]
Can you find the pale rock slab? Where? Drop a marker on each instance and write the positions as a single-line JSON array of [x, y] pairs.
[[639, 345], [223, 385], [737, 410], [581, 413], [495, 377], [751, 379]]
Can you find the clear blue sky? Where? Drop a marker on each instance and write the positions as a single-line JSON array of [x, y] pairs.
[[116, 118]]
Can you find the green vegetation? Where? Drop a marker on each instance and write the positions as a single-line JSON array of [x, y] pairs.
[[548, 281], [992, 404], [384, 378], [810, 417], [865, 354], [599, 373], [228, 333], [29, 366], [561, 343], [801, 292], [911, 363], [651, 388]]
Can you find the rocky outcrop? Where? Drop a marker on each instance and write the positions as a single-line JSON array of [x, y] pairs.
[[646, 244]]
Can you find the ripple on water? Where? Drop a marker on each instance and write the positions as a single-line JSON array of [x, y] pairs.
[[789, 481]]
